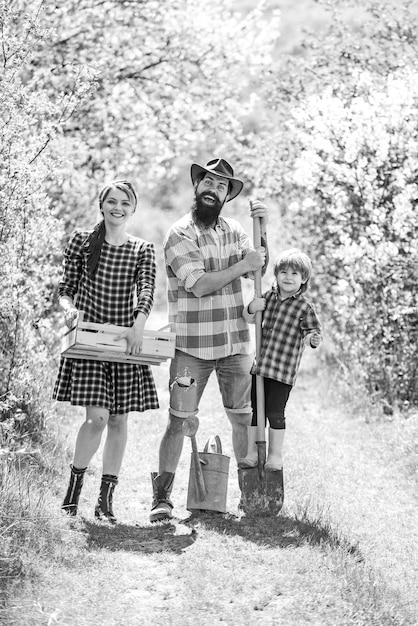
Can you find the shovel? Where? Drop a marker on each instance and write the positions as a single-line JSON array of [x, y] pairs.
[[190, 426], [261, 492]]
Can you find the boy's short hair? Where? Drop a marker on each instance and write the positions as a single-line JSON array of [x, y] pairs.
[[297, 260]]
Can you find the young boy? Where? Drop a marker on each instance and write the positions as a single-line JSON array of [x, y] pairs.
[[289, 323]]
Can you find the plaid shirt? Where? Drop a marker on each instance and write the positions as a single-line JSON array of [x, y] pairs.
[[285, 326], [211, 326]]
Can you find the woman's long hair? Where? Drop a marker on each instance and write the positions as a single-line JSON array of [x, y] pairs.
[[97, 236]]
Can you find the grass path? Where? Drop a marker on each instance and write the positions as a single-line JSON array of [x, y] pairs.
[[343, 551]]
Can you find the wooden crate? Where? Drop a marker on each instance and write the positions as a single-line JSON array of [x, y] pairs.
[[96, 342]]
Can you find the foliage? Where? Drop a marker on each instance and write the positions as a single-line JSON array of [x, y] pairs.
[[99, 88], [359, 162], [29, 233], [335, 555], [92, 90], [350, 132], [168, 79], [31, 537]]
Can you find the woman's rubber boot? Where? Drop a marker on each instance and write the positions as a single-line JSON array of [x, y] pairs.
[[251, 459], [104, 507], [275, 451], [70, 503], [161, 508]]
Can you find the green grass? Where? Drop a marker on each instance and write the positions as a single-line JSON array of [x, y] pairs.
[[341, 552], [32, 536]]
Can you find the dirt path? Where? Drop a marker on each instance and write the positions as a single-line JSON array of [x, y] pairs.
[[342, 552]]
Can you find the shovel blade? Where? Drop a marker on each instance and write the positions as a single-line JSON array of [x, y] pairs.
[[262, 493]]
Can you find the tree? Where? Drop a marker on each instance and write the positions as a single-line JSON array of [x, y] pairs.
[[28, 120], [167, 80], [349, 122], [359, 163], [93, 89]]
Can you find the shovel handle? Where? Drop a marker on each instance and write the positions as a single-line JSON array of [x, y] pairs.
[[261, 418], [257, 244]]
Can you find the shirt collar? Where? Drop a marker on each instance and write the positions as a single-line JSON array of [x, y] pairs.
[[277, 294], [220, 223]]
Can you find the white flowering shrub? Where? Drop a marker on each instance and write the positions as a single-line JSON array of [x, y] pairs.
[[30, 235], [91, 91], [171, 80], [358, 168], [338, 159]]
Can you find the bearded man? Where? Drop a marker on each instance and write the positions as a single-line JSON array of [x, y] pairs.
[[206, 255]]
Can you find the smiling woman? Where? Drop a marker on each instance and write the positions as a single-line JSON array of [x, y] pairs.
[[110, 276], [116, 208]]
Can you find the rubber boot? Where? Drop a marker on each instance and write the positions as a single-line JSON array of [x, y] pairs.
[[70, 503], [161, 508], [275, 451], [104, 507], [251, 459]]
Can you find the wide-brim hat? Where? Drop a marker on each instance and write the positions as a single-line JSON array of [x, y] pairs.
[[222, 168]]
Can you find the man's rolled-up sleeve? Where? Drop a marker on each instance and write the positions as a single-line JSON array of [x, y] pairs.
[[183, 256]]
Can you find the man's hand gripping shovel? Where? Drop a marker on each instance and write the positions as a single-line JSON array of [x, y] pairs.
[[261, 492]]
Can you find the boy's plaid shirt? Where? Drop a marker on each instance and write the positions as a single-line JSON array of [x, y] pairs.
[[212, 326], [285, 326]]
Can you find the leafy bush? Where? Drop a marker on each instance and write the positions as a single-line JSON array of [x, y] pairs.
[[168, 81], [29, 233], [358, 162], [81, 104], [348, 125]]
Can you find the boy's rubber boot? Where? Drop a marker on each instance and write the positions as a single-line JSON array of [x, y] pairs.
[[70, 503], [104, 507], [161, 508], [275, 450], [251, 459]]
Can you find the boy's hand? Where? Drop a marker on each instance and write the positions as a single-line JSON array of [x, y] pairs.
[[315, 339], [257, 304]]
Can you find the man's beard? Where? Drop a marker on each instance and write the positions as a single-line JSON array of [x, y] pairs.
[[204, 214]]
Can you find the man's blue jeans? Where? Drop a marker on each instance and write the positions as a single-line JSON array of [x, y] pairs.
[[234, 380]]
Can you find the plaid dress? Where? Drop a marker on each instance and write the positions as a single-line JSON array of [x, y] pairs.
[[285, 326], [122, 286]]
